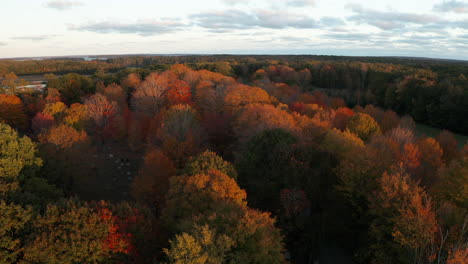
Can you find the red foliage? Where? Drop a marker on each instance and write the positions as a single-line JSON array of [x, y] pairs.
[[42, 121], [179, 93], [297, 107], [118, 239], [342, 116]]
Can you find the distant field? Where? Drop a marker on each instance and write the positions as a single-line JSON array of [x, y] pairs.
[[30, 78], [422, 130]]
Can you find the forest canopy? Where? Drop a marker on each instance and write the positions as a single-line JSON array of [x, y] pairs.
[[234, 159]]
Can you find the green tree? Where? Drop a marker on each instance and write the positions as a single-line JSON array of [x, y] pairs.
[[13, 221], [17, 158], [72, 86], [264, 166]]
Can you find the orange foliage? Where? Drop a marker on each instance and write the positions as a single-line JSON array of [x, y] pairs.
[[152, 183], [459, 256], [133, 80], [12, 111], [63, 136], [240, 96], [115, 93], [256, 118], [410, 158], [53, 96]]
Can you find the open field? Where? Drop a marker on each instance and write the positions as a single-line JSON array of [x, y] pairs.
[[422, 130]]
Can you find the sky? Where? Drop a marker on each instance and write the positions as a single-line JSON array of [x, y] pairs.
[[422, 28]]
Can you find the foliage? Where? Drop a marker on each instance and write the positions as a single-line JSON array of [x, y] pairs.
[[13, 222], [363, 125], [17, 158], [152, 183], [207, 161], [12, 111], [263, 166], [71, 232]]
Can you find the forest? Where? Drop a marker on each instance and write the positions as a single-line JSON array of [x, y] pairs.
[[234, 159]]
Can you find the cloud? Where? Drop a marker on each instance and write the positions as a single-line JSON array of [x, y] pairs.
[[63, 4], [301, 3], [331, 22], [143, 28], [237, 19], [452, 6], [35, 38], [388, 20], [235, 2], [294, 39], [348, 36]]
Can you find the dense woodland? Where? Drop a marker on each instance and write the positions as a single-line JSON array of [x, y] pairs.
[[233, 159]]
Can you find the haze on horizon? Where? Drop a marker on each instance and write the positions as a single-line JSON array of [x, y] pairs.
[[419, 28]]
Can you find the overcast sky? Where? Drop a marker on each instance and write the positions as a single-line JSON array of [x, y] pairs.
[[429, 28]]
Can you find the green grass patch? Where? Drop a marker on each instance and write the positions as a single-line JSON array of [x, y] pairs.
[[424, 130]]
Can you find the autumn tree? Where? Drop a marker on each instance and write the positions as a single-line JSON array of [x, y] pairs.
[[342, 143], [10, 81], [240, 96], [70, 232], [12, 111], [42, 122], [207, 192], [431, 161], [53, 96], [201, 246], [77, 115], [115, 93], [342, 116], [152, 182], [214, 199], [63, 136], [14, 219], [179, 92], [181, 133], [207, 161], [458, 256], [256, 118], [62, 149], [56, 109], [102, 112], [402, 211], [363, 125], [449, 145], [17, 158], [149, 96], [132, 81]]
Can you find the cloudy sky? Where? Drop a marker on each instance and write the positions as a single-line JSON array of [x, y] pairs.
[[429, 28]]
